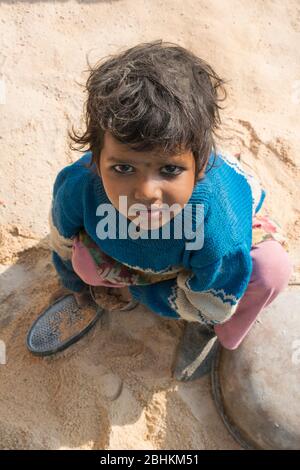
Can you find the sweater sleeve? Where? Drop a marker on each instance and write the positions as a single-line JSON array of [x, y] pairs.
[[208, 294], [65, 221], [258, 194]]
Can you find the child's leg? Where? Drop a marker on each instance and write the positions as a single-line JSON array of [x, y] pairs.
[[272, 269]]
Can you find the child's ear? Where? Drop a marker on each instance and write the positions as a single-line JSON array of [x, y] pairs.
[[200, 175]]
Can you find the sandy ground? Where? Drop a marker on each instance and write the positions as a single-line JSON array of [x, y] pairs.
[[113, 389]]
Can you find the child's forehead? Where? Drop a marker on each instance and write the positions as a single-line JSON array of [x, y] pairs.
[[149, 161], [116, 150]]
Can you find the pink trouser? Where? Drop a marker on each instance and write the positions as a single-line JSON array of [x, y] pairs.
[[272, 269]]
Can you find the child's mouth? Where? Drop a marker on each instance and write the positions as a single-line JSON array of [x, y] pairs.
[[150, 214]]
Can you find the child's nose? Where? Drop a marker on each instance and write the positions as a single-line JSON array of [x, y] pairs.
[[148, 191]]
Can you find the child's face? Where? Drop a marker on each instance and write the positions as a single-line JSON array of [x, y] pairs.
[[144, 177]]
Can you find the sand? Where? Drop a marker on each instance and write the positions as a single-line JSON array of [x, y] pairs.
[[113, 389]]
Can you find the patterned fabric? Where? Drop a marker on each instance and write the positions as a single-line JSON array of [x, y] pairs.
[[97, 268], [265, 228]]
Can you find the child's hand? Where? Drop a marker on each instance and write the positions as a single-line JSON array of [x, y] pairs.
[[122, 292], [83, 298], [112, 298]]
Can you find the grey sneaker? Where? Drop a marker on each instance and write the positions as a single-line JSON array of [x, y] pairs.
[[195, 352]]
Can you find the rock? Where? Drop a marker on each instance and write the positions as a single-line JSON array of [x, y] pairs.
[[111, 386], [257, 386]]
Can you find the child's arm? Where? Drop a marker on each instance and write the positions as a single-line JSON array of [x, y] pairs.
[[65, 220], [210, 294], [216, 289]]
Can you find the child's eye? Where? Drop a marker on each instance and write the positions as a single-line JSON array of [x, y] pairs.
[[171, 172], [124, 169]]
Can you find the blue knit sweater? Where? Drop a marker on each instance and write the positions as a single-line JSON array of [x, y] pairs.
[[213, 278]]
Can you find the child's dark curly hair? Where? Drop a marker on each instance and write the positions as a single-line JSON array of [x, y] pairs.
[[154, 96]]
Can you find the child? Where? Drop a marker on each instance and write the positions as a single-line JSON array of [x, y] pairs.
[[151, 116]]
